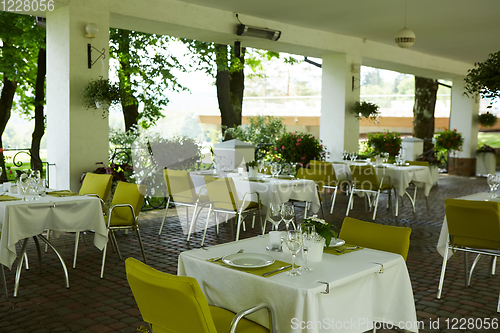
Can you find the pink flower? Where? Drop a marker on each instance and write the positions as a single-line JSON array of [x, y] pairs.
[[283, 147], [303, 158], [298, 143], [275, 148], [293, 133]]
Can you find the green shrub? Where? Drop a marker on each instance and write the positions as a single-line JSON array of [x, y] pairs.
[[299, 148], [386, 142]]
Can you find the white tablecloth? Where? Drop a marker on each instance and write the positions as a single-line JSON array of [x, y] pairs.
[[359, 294], [400, 176], [272, 190], [23, 219], [443, 236]]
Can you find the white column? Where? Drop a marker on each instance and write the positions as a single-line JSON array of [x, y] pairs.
[[463, 117], [339, 129], [77, 138]]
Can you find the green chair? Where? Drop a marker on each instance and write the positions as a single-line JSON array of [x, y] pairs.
[[376, 236], [224, 199], [365, 180], [170, 303], [473, 226], [123, 215], [319, 178], [182, 192]]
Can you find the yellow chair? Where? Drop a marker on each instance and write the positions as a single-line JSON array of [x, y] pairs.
[[182, 192], [96, 185], [170, 303], [123, 215], [319, 178], [376, 236], [330, 177], [473, 226], [365, 180], [224, 199], [418, 184]]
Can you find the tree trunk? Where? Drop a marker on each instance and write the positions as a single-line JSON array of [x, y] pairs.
[[130, 106], [423, 110], [6, 100], [222, 82], [39, 130], [236, 88]]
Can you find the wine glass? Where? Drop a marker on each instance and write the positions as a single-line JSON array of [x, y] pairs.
[[24, 184], [293, 241], [275, 214], [287, 214], [491, 179], [308, 238]]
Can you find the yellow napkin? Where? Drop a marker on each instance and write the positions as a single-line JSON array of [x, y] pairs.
[[333, 250], [261, 270], [8, 198], [64, 193]]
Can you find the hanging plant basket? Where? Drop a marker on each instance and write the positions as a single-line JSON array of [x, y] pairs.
[[100, 93], [365, 110], [487, 119]]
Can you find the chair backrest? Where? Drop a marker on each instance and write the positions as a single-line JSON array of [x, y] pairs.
[[473, 223], [180, 186], [169, 303], [376, 236], [419, 163], [313, 174], [127, 193], [99, 184], [222, 193], [364, 177], [326, 169]]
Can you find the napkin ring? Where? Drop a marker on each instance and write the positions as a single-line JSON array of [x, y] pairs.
[[381, 266], [327, 290]]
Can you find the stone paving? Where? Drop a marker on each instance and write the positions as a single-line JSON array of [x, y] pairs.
[[104, 305]]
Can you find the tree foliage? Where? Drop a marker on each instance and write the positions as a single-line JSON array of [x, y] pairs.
[[146, 71], [484, 78]]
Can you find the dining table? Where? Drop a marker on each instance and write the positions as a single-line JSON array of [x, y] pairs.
[[279, 189], [22, 219], [350, 292], [401, 176]]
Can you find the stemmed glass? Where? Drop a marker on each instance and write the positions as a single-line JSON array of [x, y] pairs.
[[354, 156], [308, 238], [275, 169], [261, 166], [293, 241], [287, 214], [275, 214], [24, 184], [491, 179]]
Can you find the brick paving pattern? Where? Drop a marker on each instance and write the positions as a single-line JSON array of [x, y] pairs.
[[104, 305]]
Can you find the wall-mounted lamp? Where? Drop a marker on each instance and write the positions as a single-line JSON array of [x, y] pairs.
[[258, 32], [90, 31], [355, 68]]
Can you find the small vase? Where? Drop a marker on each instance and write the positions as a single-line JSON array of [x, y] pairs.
[[252, 172], [102, 105], [315, 253]]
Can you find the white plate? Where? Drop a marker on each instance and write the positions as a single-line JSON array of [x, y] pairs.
[[336, 242], [248, 260]]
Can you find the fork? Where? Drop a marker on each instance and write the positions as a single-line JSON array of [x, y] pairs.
[[348, 248], [219, 258]]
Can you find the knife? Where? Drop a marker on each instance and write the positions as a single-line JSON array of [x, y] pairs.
[[276, 270]]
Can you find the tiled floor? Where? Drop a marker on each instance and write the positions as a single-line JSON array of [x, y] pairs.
[[96, 305]]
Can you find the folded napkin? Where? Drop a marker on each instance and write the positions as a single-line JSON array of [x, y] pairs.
[[258, 271], [8, 198], [63, 193], [334, 250]]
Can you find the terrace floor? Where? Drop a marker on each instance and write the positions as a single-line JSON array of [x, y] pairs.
[[98, 305]]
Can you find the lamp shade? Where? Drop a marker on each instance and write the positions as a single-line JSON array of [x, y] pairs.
[[405, 38], [91, 30]]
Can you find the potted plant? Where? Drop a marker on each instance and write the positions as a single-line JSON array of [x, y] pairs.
[[252, 169], [487, 119], [386, 142], [298, 147], [365, 110], [325, 235], [100, 93], [486, 160]]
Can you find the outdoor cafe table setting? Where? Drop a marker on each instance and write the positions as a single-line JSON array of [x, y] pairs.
[[60, 212], [279, 189], [348, 291]]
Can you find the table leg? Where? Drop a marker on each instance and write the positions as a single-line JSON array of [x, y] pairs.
[[412, 201], [39, 253], [19, 266], [58, 256]]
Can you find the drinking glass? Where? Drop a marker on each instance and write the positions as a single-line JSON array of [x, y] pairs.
[[293, 241], [308, 238], [41, 187], [275, 214], [261, 166], [24, 185], [491, 179], [287, 214]]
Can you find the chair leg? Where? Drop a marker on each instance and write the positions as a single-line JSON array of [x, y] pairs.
[[334, 195], [493, 265], [164, 216], [472, 268], [4, 282], [115, 244], [77, 240], [466, 270], [349, 203], [238, 227], [103, 259], [376, 205], [141, 245], [443, 270], [191, 225], [206, 225]]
